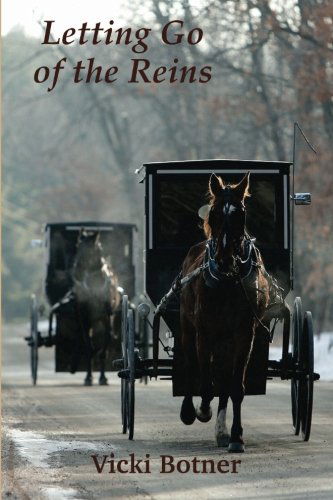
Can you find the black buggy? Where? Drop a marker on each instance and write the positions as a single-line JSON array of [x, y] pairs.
[[60, 241], [174, 193]]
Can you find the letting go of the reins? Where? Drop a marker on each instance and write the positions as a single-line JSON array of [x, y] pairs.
[[141, 69]]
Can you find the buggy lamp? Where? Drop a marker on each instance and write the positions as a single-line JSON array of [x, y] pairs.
[[143, 310], [302, 198], [36, 243]]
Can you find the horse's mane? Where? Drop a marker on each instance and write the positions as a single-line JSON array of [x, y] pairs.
[[207, 228]]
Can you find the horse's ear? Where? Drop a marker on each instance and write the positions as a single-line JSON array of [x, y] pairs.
[[215, 185], [242, 189]]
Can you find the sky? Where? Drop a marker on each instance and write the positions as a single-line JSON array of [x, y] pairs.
[[66, 13]]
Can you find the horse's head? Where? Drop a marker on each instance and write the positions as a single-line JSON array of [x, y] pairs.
[[89, 250], [225, 222]]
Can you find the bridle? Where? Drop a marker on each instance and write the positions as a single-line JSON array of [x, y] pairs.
[[229, 206]]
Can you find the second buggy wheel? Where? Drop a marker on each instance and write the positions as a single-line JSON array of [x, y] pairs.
[[124, 382], [33, 341], [295, 384], [129, 365], [307, 377], [131, 380], [144, 343]]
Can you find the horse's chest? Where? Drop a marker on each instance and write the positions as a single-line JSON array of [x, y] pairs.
[[216, 301], [220, 305]]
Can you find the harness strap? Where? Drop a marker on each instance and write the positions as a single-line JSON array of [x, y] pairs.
[[193, 274], [181, 282], [66, 298], [252, 307]]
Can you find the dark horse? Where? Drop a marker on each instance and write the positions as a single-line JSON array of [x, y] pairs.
[[96, 298], [220, 310]]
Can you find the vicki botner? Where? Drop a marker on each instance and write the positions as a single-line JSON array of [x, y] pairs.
[[167, 465]]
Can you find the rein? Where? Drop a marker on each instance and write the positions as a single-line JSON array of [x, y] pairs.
[[241, 280]]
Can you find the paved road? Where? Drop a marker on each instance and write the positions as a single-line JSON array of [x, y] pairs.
[[51, 431]]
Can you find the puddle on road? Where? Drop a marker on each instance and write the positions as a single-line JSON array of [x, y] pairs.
[[37, 449], [60, 494]]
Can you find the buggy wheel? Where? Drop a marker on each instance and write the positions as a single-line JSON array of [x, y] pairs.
[[33, 338], [295, 383], [143, 334], [124, 382], [131, 358], [307, 377], [124, 391]]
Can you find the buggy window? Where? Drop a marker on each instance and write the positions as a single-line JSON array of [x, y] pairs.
[[179, 197]]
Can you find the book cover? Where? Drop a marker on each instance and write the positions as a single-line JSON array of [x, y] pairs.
[[166, 243]]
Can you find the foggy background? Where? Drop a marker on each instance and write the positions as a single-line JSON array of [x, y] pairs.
[[70, 154]]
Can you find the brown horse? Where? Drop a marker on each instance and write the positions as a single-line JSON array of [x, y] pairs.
[[220, 310], [97, 299]]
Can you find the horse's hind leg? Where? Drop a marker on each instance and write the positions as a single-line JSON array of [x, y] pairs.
[[236, 444], [221, 432], [222, 376]]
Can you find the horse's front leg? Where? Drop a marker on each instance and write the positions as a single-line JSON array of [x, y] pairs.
[[187, 412], [102, 356], [86, 340], [241, 358], [88, 381], [204, 411], [102, 378]]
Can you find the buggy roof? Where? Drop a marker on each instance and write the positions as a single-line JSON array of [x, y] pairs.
[[91, 224], [210, 164]]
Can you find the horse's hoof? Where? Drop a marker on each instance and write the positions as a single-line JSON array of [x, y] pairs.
[[103, 381], [222, 440], [88, 382], [236, 447], [203, 417], [187, 413]]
